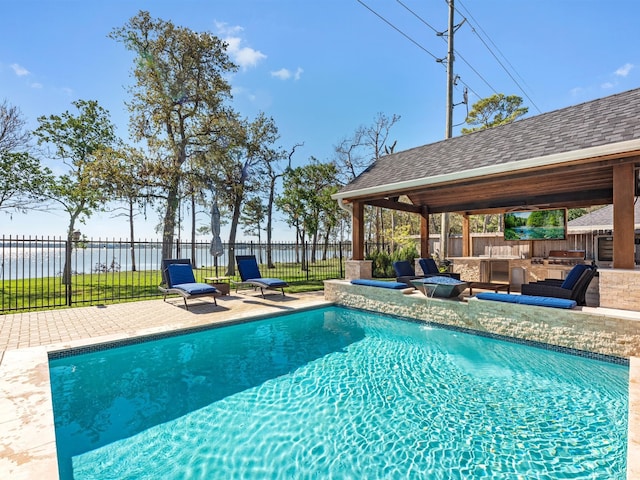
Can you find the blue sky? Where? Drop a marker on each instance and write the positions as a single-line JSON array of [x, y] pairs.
[[322, 68]]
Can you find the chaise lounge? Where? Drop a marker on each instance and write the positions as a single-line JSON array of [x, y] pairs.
[[573, 287], [178, 278], [405, 272], [250, 275], [430, 268]]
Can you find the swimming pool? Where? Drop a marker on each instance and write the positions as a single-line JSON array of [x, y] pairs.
[[337, 393]]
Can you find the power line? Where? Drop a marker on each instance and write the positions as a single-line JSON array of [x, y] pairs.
[[398, 30], [458, 55], [438, 32], [473, 30], [442, 61]]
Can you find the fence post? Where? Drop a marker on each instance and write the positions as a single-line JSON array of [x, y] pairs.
[[340, 259], [178, 248], [66, 272], [306, 261]]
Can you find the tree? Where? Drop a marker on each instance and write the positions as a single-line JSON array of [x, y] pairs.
[[22, 178], [178, 104], [124, 175], [249, 147], [77, 140], [306, 197], [498, 109], [354, 154], [252, 217], [274, 174]]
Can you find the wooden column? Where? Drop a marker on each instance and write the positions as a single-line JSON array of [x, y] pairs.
[[623, 216], [466, 236], [357, 231], [424, 233]]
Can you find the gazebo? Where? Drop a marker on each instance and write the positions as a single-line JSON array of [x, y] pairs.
[[580, 156]]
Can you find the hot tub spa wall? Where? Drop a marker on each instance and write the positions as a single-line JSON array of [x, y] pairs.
[[587, 331]]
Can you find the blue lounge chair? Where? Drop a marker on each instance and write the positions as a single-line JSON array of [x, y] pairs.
[[429, 268], [178, 278], [573, 287], [250, 275], [405, 272]]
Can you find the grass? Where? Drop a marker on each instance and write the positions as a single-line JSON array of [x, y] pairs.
[[119, 287]]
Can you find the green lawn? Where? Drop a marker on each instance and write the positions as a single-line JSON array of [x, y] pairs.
[[116, 287]]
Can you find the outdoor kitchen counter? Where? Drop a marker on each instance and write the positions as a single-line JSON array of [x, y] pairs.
[[512, 270]]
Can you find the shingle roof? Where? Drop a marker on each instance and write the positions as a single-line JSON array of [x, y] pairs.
[[599, 122], [601, 219]]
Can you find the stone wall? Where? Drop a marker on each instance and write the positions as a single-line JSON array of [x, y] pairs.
[[619, 289], [588, 330]]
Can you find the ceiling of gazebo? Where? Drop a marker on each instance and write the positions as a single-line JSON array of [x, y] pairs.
[[564, 186]]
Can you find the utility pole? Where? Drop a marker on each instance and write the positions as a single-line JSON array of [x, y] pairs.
[[450, 74], [444, 217]]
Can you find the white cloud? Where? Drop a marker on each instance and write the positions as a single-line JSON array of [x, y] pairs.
[[225, 29], [19, 70], [624, 70], [286, 74], [245, 57], [282, 74], [36, 85], [576, 91]]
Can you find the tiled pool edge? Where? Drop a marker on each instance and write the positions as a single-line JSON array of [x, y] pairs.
[[633, 436], [497, 318]]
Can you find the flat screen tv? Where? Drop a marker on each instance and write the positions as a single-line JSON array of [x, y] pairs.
[[536, 225]]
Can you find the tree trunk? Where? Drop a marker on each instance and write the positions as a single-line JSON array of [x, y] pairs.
[[326, 245], [131, 237], [235, 219], [193, 231], [169, 221], [314, 246], [272, 188]]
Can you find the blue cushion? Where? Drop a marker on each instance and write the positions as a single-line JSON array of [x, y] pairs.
[[248, 269], [269, 282], [575, 273], [179, 273], [546, 301], [428, 265], [196, 288], [379, 283], [528, 300], [403, 268]]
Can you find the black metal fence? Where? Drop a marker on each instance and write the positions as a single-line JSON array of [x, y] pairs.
[[103, 271]]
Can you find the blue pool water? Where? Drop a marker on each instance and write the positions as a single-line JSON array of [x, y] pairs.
[[337, 393]]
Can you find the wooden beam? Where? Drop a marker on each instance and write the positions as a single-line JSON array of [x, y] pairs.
[[424, 233], [394, 205], [623, 216], [466, 236], [357, 231]]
